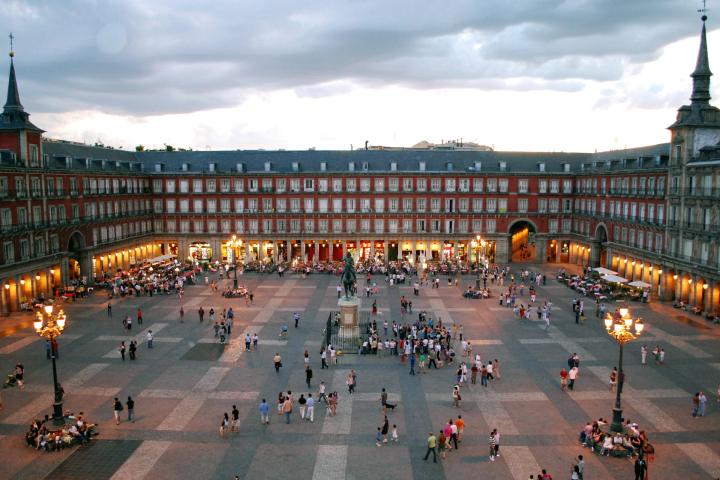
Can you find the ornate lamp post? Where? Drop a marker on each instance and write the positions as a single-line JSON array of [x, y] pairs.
[[50, 326], [623, 328], [478, 239], [235, 243]]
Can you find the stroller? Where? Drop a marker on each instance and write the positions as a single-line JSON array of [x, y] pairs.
[[10, 381]]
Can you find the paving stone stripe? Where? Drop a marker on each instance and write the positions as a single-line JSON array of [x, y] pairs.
[[142, 461], [25, 415], [211, 379], [520, 461], [341, 423], [331, 462], [704, 456], [485, 341], [183, 413], [680, 344], [25, 341]]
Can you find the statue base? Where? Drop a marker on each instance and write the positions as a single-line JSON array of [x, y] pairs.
[[349, 312]]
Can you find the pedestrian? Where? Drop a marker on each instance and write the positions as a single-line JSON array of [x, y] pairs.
[[139, 316], [350, 383], [296, 318], [321, 393], [235, 419], [384, 403], [412, 364], [702, 399], [122, 350], [109, 310], [453, 433], [302, 401], [492, 446], [182, 316], [385, 430], [497, 443], [264, 412], [563, 379], [248, 340], [323, 359], [695, 404], [255, 341], [378, 435], [613, 378], [572, 376], [287, 407], [643, 354], [224, 424], [201, 313], [460, 424], [149, 338], [117, 408], [496, 368], [310, 406], [281, 401], [277, 360], [20, 375], [442, 442], [394, 434], [456, 396], [661, 356], [132, 349], [431, 445], [580, 467], [130, 404], [640, 468]]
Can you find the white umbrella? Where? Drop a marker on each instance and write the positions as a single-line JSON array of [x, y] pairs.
[[604, 271], [639, 284], [614, 279]]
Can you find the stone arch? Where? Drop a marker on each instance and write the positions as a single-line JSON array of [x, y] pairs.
[[76, 242], [522, 240], [601, 233]]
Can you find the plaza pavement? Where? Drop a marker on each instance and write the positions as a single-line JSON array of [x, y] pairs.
[[184, 385]]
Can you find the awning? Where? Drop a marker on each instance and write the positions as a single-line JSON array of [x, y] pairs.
[[604, 271], [639, 284], [614, 279], [160, 259]]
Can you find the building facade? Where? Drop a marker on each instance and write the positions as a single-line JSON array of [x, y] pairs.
[[71, 211]]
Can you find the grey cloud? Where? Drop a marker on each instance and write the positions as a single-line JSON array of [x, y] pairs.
[[172, 56]]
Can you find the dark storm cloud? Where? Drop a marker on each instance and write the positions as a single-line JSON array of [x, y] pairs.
[[169, 56]]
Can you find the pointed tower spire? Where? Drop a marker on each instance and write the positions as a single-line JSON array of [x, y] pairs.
[[701, 75], [14, 115]]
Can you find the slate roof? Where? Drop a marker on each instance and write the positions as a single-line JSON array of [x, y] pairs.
[[337, 161]]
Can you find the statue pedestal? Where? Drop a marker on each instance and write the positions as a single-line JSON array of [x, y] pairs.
[[349, 317]]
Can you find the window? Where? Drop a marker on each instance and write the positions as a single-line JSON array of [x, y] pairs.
[[364, 184], [225, 205], [503, 185], [490, 225], [393, 207], [365, 205], [337, 226], [34, 158], [435, 184], [280, 185], [502, 205], [463, 205], [323, 185], [379, 225], [350, 184], [407, 184], [280, 204], [491, 205], [337, 184], [309, 205], [407, 205], [184, 186], [323, 205], [184, 205], [350, 205], [567, 186], [449, 184], [435, 205], [394, 184], [337, 205], [523, 185], [212, 186], [197, 205], [522, 205], [492, 185], [379, 184], [309, 184], [420, 204], [252, 184], [464, 184], [157, 205], [477, 205], [421, 184], [553, 226], [478, 185]]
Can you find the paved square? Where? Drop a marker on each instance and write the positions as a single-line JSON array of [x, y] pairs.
[[187, 381]]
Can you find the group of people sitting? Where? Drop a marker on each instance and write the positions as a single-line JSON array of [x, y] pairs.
[[240, 291], [632, 441], [473, 292], [77, 432]]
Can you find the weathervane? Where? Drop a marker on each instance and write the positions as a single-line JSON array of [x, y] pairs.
[[11, 37], [703, 10]]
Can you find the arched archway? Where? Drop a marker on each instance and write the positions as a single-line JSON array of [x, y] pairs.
[[601, 238], [522, 240], [76, 243]]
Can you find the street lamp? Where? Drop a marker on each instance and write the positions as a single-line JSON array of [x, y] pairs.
[[50, 326], [623, 328], [235, 243], [478, 239]]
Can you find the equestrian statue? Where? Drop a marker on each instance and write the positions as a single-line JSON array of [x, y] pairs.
[[348, 277]]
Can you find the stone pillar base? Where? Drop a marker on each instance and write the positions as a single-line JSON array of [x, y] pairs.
[[349, 312]]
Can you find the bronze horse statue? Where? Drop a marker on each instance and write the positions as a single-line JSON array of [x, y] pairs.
[[348, 277]]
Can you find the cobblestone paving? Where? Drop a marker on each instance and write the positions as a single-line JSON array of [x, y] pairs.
[[187, 381]]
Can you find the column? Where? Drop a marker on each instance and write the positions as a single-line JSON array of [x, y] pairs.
[[4, 300], [707, 307], [261, 250], [385, 252], [64, 271], [678, 286], [502, 248], [595, 254], [49, 280], [331, 250], [86, 267], [18, 293], [540, 249]]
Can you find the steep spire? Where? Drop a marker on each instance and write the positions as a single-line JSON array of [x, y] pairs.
[[701, 75], [13, 94]]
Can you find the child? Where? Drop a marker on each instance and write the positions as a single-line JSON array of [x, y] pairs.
[[378, 438], [394, 435]]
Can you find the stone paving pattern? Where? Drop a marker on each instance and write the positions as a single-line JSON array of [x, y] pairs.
[[184, 385]]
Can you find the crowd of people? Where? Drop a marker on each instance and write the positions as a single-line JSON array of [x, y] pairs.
[[75, 431]]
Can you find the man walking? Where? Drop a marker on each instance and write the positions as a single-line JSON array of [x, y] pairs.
[[122, 350], [412, 364], [201, 314], [296, 318], [431, 445], [384, 403], [643, 354], [130, 404], [139, 316], [149, 339], [117, 408], [287, 408], [640, 468], [264, 412], [310, 408], [109, 310], [308, 375], [277, 360], [572, 375]]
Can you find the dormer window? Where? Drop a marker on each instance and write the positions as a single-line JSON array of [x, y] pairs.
[[478, 166], [212, 167], [158, 167], [393, 166], [351, 166], [323, 166], [295, 166], [449, 166], [566, 167], [365, 166], [422, 166], [268, 167], [185, 167], [502, 166], [240, 167], [541, 167]]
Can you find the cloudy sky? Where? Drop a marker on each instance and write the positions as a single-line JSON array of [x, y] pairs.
[[549, 75]]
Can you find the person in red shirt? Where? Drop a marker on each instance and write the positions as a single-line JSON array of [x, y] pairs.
[[563, 379]]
